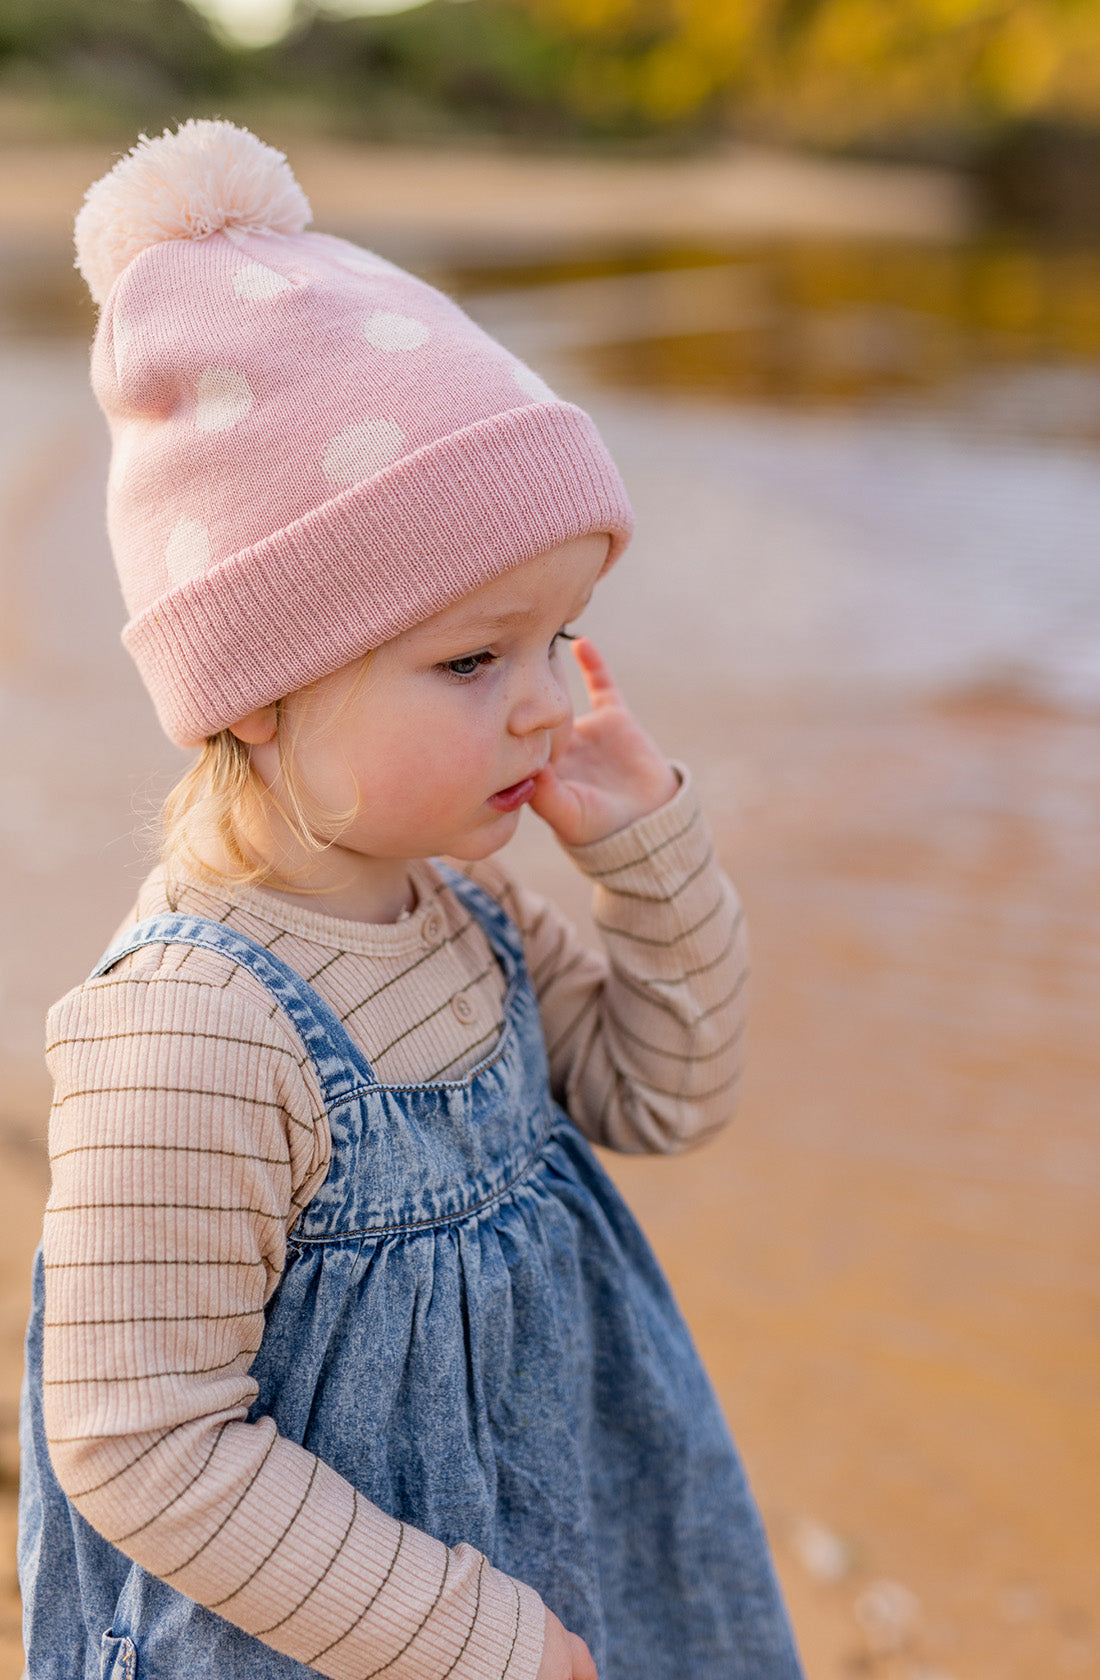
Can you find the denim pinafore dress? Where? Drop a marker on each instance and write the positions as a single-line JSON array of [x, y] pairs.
[[471, 1329]]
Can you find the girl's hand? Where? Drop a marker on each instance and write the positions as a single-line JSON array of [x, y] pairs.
[[609, 772], [564, 1655]]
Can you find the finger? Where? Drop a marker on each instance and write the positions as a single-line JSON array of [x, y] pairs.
[[597, 677], [583, 1666]]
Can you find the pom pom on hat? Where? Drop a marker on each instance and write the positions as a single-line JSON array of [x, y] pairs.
[[314, 450], [206, 176]]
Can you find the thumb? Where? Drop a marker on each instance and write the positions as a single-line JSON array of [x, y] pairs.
[[552, 799]]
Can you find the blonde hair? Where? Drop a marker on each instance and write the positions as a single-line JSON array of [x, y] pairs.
[[221, 801]]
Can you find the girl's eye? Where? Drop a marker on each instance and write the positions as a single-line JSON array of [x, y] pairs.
[[469, 664]]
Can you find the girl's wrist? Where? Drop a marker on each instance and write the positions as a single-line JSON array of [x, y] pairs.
[[643, 832]]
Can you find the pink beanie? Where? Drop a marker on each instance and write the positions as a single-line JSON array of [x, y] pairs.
[[312, 449]]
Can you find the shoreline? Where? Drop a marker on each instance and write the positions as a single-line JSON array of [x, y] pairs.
[[425, 201]]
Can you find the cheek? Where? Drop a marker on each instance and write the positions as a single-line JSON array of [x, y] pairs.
[[424, 751], [427, 763]]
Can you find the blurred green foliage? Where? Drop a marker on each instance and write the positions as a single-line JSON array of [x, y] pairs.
[[94, 64], [913, 76]]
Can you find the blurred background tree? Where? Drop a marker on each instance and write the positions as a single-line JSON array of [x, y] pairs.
[[895, 72], [991, 82], [71, 66]]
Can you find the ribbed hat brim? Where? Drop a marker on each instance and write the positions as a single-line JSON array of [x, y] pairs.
[[373, 561]]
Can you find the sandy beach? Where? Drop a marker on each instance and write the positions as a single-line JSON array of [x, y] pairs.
[[890, 1259]]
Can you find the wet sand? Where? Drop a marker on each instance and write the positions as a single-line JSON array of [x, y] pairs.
[[891, 1257]]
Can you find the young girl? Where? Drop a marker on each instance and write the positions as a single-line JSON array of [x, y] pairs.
[[345, 1355]]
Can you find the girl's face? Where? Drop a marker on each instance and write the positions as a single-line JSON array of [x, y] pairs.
[[438, 740]]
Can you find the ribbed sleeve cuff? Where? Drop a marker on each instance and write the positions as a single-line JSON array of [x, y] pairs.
[[523, 1649]]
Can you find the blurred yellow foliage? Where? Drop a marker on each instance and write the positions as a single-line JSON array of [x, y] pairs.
[[1022, 58], [832, 67]]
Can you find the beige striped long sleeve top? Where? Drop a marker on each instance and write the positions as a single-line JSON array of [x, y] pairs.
[[188, 1132]]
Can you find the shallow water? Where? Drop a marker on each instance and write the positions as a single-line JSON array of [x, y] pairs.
[[882, 461], [864, 603], [999, 337]]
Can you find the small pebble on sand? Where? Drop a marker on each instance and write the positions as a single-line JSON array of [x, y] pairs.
[[1020, 1603], [822, 1554], [888, 1614]]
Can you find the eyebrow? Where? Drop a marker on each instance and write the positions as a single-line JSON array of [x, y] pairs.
[[485, 628], [499, 621]]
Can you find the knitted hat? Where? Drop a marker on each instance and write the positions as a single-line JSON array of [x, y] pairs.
[[313, 450]]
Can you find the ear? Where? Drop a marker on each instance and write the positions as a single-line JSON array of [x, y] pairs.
[[258, 728]]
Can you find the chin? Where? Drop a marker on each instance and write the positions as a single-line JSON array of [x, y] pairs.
[[488, 840]]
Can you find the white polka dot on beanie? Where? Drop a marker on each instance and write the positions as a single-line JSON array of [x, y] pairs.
[[253, 280], [387, 331], [321, 450], [224, 397], [361, 450], [187, 551]]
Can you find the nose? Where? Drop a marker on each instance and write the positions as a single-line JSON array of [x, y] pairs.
[[541, 703]]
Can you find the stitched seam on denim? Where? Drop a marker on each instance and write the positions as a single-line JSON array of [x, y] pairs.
[[299, 1243], [498, 1050], [434, 1085], [280, 988]]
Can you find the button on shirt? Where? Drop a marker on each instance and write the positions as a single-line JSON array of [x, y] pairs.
[[433, 927]]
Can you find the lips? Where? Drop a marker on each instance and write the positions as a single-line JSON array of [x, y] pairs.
[[511, 798]]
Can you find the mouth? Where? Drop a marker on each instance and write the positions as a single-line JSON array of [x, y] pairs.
[[511, 798]]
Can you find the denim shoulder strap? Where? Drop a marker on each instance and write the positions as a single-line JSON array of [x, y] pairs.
[[341, 1066], [499, 928]]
